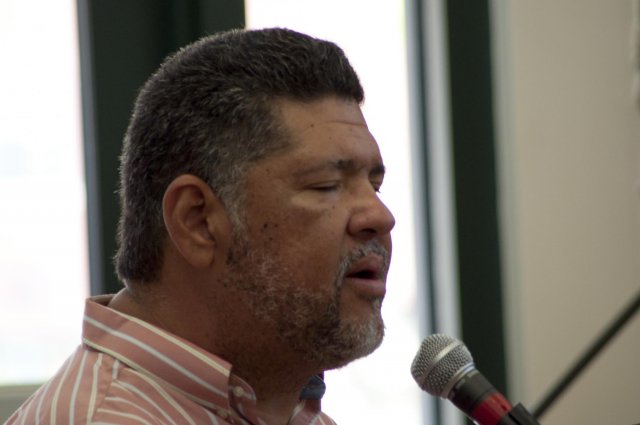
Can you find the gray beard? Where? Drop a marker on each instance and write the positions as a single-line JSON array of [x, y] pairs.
[[308, 322]]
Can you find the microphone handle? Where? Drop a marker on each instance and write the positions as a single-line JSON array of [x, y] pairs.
[[519, 416], [478, 399]]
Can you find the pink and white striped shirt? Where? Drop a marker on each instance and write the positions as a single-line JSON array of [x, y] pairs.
[[128, 371]]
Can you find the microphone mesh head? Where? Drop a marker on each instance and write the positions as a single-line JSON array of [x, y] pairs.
[[437, 362]]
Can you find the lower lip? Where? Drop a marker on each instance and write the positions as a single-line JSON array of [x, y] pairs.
[[373, 288]]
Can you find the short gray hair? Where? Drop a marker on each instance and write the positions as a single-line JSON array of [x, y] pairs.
[[208, 111]]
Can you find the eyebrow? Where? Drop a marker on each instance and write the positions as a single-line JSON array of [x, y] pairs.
[[344, 165]]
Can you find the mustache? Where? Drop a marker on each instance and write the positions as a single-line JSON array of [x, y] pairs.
[[371, 247]]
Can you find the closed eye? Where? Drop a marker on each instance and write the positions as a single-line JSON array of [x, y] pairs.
[[326, 187]]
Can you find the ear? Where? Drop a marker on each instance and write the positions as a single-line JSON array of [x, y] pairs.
[[195, 219]]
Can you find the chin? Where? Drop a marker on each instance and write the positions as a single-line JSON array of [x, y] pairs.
[[349, 343]]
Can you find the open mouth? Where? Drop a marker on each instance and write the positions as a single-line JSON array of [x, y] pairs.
[[364, 274], [367, 278], [369, 268]]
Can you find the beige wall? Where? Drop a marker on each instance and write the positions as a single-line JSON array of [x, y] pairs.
[[569, 174]]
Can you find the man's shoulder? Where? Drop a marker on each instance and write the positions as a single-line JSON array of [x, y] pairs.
[[74, 393]]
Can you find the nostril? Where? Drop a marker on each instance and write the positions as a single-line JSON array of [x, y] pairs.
[[371, 220]]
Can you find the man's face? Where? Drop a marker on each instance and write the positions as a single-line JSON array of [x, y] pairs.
[[314, 259]]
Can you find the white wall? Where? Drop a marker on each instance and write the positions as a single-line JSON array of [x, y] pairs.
[[569, 174]]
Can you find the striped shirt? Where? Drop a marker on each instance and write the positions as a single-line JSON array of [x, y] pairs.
[[128, 371]]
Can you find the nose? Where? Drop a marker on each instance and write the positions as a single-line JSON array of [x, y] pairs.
[[371, 218]]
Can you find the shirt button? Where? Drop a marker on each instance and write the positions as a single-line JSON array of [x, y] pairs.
[[238, 391], [223, 413]]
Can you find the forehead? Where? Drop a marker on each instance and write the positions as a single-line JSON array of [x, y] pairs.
[[330, 129]]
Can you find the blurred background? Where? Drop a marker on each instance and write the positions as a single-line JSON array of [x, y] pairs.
[[511, 135]]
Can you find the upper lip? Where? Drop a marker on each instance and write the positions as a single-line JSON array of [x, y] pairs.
[[370, 267]]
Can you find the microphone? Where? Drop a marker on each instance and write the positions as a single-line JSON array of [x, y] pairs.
[[444, 368]]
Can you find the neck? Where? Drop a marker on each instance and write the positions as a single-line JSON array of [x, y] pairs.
[[276, 374], [277, 380], [277, 410], [277, 396], [275, 371]]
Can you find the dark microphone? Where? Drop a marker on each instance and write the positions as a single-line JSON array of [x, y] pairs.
[[443, 367]]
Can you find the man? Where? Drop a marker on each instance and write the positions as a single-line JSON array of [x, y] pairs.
[[253, 247]]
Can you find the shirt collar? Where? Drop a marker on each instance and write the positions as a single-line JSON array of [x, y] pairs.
[[201, 376]]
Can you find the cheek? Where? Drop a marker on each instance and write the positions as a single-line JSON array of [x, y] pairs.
[[302, 225], [308, 244]]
